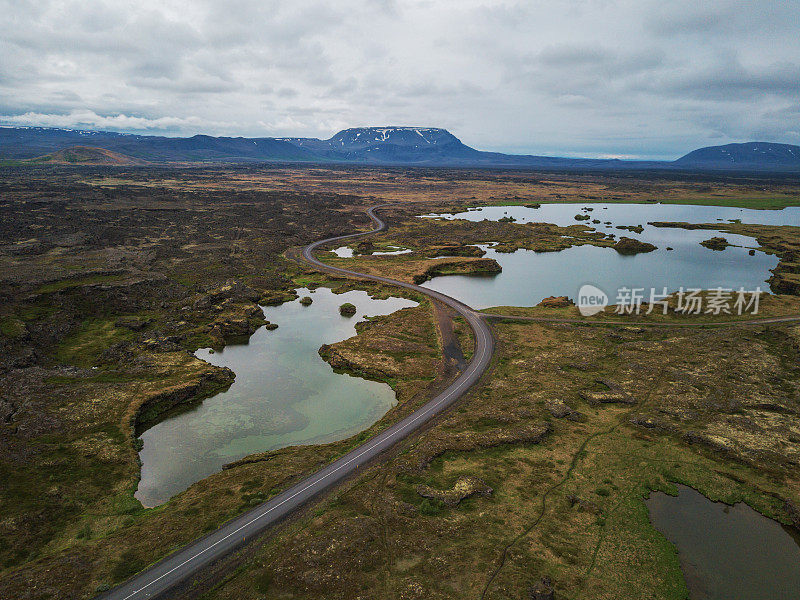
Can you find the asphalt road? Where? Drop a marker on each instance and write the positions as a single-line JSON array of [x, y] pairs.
[[178, 567]]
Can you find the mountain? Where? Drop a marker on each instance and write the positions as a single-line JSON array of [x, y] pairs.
[[751, 155], [425, 146], [396, 145], [411, 146], [87, 155], [30, 142]]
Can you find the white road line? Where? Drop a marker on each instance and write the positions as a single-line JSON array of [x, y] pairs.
[[478, 326]]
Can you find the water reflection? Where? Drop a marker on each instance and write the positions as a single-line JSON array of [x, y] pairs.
[[728, 552], [528, 277], [284, 394]]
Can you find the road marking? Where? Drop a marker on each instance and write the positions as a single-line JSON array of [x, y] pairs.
[[479, 326]]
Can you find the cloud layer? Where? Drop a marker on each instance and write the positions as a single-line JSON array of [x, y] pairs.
[[592, 77]]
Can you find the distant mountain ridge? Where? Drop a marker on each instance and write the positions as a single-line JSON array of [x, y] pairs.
[[22, 143], [749, 154], [87, 155], [391, 145]]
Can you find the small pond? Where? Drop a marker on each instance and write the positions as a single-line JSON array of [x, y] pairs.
[[347, 251], [528, 276], [284, 394], [728, 552]]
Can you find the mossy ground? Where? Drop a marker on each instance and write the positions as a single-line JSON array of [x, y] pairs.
[[378, 537], [90, 543], [83, 246]]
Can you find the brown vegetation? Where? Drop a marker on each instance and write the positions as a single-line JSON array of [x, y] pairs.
[[112, 276]]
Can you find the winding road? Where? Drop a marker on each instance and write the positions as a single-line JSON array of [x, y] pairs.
[[178, 567], [183, 564]]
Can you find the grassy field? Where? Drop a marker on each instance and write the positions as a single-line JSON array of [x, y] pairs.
[[112, 276], [757, 202], [472, 187], [776, 202], [567, 503], [101, 538]]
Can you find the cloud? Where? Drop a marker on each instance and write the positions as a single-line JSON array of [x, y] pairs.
[[570, 56], [731, 80], [616, 77], [119, 122], [693, 18]]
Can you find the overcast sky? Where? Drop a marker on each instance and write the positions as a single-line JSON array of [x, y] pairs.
[[634, 78]]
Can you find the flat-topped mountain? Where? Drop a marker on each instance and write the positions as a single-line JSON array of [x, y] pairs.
[[747, 155], [415, 137], [406, 145]]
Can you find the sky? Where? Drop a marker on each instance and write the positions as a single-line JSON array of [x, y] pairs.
[[598, 78]]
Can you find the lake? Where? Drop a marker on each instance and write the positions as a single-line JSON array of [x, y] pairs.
[[528, 276], [284, 394], [728, 552]]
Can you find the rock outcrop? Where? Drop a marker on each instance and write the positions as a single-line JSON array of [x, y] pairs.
[[465, 487], [715, 243], [543, 590], [629, 246], [461, 267], [556, 302], [466, 250]]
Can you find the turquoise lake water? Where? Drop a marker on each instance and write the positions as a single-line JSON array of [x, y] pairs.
[[284, 394]]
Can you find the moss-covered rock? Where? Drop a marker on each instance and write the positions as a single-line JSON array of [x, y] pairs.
[[629, 246], [276, 298], [347, 309], [465, 487], [462, 267], [466, 250], [556, 302], [715, 243]]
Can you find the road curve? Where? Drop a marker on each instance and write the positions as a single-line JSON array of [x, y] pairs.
[[178, 567]]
